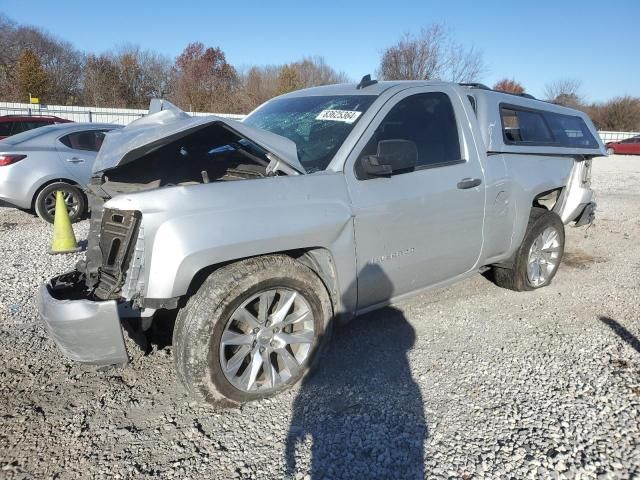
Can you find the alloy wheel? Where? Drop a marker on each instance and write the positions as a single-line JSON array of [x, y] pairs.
[[267, 340], [544, 256], [70, 200]]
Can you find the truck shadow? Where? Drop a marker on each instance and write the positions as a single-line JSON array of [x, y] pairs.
[[360, 413]]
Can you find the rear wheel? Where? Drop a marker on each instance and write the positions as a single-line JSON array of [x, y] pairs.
[[253, 329], [538, 258], [74, 199]]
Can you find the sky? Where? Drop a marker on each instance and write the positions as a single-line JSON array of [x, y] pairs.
[[535, 42]]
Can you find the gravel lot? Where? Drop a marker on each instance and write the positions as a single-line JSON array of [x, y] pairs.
[[467, 382]]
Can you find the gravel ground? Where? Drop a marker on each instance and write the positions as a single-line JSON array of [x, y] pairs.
[[471, 381]]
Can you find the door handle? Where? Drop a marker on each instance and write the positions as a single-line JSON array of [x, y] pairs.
[[75, 160], [466, 183]]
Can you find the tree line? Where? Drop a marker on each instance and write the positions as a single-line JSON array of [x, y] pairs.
[[35, 63]]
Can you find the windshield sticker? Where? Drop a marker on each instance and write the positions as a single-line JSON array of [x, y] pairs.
[[346, 116]]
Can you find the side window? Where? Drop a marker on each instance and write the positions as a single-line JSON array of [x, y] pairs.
[[524, 126], [88, 140], [426, 119], [570, 131]]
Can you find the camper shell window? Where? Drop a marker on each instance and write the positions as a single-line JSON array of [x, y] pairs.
[[525, 126]]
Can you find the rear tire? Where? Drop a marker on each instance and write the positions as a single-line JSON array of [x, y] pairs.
[[540, 252], [230, 343], [45, 201]]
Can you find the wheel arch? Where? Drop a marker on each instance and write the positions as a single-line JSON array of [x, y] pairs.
[[320, 260], [49, 182]]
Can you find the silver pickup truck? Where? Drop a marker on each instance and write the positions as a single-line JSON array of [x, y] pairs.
[[321, 205]]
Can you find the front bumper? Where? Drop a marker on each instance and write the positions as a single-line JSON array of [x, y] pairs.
[[85, 330]]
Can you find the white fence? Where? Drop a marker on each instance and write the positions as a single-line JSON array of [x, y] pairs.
[[616, 136], [125, 115], [121, 116]]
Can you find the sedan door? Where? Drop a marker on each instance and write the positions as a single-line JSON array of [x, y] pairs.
[[421, 227], [78, 151]]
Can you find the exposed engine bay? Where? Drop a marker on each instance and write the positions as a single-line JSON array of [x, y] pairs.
[[209, 154]]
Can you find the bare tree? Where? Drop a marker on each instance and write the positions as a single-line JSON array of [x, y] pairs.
[[564, 92], [314, 71], [509, 85], [259, 84], [101, 86], [620, 114], [62, 62], [129, 77], [433, 54]]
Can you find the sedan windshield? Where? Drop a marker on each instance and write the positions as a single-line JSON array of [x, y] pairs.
[[317, 124]]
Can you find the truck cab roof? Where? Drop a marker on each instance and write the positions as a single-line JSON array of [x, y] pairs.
[[546, 128]]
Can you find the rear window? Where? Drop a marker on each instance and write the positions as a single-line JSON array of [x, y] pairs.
[[537, 127], [29, 134]]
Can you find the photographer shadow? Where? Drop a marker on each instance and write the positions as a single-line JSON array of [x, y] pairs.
[[360, 413]]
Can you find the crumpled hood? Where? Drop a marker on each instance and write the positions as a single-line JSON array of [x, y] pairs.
[[166, 123]]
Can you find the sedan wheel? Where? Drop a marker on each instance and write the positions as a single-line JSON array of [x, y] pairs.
[[610, 151], [74, 199], [70, 200]]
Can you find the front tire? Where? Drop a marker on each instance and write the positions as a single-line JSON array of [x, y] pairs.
[[611, 151], [252, 330], [538, 258], [45, 201]]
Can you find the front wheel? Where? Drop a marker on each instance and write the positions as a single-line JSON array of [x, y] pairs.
[[610, 151], [538, 258], [252, 330], [74, 199]]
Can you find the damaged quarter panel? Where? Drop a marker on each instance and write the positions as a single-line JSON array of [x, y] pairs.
[[534, 174], [190, 228]]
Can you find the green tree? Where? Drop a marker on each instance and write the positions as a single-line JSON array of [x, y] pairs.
[[31, 77]]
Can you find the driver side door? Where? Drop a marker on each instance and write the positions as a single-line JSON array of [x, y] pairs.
[[422, 226]]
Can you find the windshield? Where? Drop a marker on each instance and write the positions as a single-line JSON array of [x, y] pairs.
[[28, 135], [317, 125]]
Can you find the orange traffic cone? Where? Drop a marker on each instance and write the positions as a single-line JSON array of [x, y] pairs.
[[64, 240]]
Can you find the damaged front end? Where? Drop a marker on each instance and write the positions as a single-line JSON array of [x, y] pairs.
[[85, 330], [82, 309]]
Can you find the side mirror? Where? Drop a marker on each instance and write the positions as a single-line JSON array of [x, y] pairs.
[[392, 156]]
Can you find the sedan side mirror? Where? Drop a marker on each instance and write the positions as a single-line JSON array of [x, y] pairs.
[[393, 156]]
